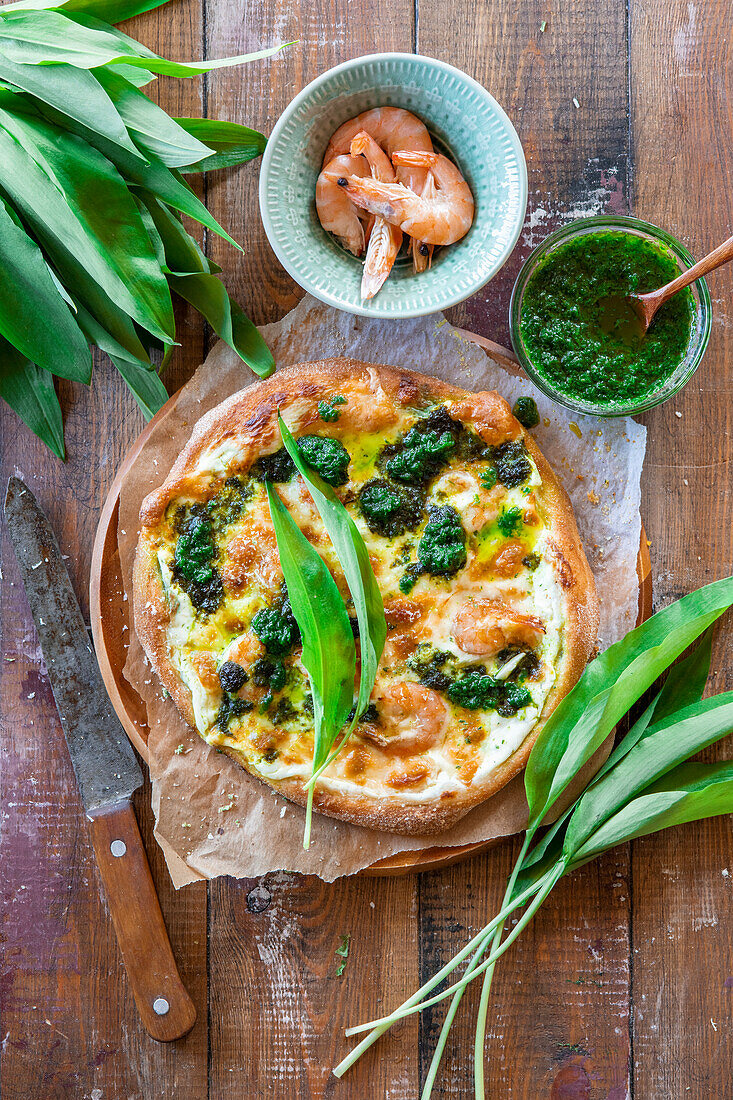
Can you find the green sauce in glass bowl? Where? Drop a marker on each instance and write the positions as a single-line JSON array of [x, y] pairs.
[[579, 339]]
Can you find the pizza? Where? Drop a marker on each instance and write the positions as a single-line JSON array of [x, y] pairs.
[[490, 604]]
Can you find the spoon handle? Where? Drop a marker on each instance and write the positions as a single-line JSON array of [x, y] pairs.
[[719, 256]]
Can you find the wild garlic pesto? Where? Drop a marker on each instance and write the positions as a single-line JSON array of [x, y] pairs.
[[582, 336]]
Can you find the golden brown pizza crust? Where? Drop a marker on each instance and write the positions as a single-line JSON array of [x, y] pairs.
[[249, 417]]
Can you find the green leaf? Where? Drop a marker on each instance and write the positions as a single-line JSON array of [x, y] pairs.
[[184, 69], [353, 557], [124, 44], [688, 793], [29, 391], [83, 216], [181, 253], [144, 384], [137, 77], [609, 686], [232, 143], [48, 37], [152, 130], [93, 303], [76, 95], [112, 332], [685, 682], [153, 234], [209, 296], [664, 745], [329, 653], [165, 183], [31, 37], [33, 316], [684, 685], [139, 374], [110, 11]]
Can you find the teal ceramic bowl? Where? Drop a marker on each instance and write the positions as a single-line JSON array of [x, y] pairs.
[[466, 123]]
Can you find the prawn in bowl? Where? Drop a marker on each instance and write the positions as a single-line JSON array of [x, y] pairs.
[[457, 122], [401, 188]]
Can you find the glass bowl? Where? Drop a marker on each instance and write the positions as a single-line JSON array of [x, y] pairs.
[[699, 332]]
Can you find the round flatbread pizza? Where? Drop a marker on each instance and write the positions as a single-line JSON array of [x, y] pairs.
[[490, 604]]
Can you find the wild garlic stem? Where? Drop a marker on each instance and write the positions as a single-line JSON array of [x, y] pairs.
[[308, 819], [546, 883], [480, 1040], [329, 759], [447, 1024], [453, 1008], [382, 1025], [478, 1049]]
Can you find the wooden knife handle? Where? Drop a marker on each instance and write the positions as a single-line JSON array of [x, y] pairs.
[[165, 1007]]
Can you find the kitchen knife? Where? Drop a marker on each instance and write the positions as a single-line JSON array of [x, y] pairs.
[[105, 766]]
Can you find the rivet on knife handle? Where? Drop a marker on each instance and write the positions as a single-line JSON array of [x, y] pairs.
[[165, 1007]]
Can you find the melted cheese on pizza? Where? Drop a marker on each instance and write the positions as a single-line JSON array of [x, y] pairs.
[[451, 514]]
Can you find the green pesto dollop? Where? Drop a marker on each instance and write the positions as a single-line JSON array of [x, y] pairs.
[[276, 627], [510, 521], [327, 456], [526, 411], [420, 456], [581, 335], [476, 690], [231, 707], [193, 562], [327, 409], [442, 548], [511, 464], [228, 504], [388, 510], [472, 688]]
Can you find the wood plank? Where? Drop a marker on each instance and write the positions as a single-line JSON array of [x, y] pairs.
[[548, 1035], [577, 157], [682, 85], [68, 1015], [327, 32], [276, 1005], [69, 1019]]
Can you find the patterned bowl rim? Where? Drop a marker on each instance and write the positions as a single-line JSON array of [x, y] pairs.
[[374, 310]]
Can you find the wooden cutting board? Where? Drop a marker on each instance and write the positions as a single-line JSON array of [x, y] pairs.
[[111, 622]]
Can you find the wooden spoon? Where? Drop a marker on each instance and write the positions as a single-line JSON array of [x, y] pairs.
[[646, 305]]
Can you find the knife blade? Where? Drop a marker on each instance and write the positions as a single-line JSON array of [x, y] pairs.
[[105, 766], [103, 759]]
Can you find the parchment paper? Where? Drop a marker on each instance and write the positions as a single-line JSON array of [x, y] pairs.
[[212, 817]]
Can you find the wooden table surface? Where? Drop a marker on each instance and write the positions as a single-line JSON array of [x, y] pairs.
[[623, 986]]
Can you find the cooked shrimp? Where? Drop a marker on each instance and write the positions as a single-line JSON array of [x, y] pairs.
[[442, 220], [336, 213], [422, 253], [392, 128], [484, 627], [413, 718], [385, 240]]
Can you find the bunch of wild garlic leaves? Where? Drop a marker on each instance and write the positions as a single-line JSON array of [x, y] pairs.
[[648, 783], [91, 195]]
